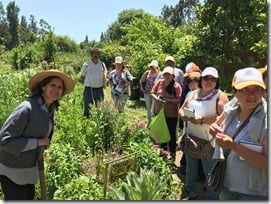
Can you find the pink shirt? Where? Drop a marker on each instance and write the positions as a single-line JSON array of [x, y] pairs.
[[171, 109]]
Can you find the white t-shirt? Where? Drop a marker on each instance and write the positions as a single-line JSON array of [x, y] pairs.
[[93, 73]]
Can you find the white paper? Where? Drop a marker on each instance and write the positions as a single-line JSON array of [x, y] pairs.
[[189, 112], [252, 146]]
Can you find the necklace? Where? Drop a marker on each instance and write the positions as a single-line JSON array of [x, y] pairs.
[[207, 97]]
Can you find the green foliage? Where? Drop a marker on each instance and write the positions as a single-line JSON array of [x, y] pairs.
[[65, 164], [81, 188], [145, 186], [49, 46], [25, 56], [65, 44]]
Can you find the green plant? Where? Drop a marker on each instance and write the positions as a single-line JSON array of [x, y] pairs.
[[145, 186]]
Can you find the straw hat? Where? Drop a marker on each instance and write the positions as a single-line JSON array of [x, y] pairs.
[[170, 58], [40, 76], [247, 77], [95, 49], [154, 63], [192, 70]]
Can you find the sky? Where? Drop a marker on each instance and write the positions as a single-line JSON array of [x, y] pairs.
[[78, 18]]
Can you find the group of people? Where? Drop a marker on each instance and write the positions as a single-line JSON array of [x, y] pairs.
[[29, 128], [95, 76], [216, 120]]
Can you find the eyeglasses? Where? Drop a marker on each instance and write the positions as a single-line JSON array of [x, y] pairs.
[[257, 91], [190, 79], [212, 79]]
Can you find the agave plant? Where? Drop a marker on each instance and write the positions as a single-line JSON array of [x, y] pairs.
[[145, 186]]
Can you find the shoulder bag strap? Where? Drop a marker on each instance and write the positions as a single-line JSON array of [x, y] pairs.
[[227, 152]]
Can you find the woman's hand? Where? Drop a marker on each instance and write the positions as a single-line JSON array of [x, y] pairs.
[[197, 120], [224, 141], [44, 142], [215, 129]]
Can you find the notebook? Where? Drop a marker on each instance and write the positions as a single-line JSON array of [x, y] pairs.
[[252, 146]]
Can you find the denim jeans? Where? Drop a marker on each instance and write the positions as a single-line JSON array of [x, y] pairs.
[[92, 95], [192, 172], [148, 102], [225, 194]]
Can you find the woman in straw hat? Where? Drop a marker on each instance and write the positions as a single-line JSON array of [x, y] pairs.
[[27, 131], [242, 130]]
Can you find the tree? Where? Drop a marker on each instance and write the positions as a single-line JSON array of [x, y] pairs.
[[228, 31], [115, 31], [33, 29], [4, 30], [24, 32], [180, 14], [13, 23]]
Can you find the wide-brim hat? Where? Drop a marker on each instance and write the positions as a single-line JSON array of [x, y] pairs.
[[190, 68], [40, 76], [193, 75], [154, 63], [170, 58], [247, 77], [95, 49]]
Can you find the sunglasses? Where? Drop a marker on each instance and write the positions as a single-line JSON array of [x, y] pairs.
[[190, 79], [212, 79]]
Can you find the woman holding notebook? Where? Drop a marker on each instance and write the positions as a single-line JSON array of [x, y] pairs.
[[246, 176]]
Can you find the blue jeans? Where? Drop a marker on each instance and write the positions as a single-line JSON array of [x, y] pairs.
[[192, 172], [148, 102], [92, 95], [225, 194]]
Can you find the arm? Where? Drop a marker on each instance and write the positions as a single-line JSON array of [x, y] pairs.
[[255, 159], [11, 139]]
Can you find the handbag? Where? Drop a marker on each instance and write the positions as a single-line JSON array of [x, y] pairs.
[[215, 178], [195, 146], [159, 129]]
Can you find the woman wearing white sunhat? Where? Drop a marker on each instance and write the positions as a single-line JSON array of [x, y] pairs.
[[167, 93], [119, 80], [245, 118], [207, 102], [146, 84], [27, 131]]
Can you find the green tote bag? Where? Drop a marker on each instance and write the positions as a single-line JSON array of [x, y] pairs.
[[159, 129]]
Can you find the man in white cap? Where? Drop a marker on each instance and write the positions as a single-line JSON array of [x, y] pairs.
[[93, 75], [178, 73]]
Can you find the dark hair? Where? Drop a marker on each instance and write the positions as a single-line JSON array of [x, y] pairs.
[[170, 88], [217, 83], [37, 90]]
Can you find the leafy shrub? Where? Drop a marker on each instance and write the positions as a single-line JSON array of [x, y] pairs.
[[145, 186], [81, 188]]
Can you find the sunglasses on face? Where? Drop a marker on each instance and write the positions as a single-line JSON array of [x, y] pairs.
[[191, 79], [207, 78]]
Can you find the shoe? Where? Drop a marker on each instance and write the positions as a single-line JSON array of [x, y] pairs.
[[191, 196]]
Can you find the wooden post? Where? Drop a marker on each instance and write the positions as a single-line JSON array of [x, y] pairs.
[[43, 190]]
